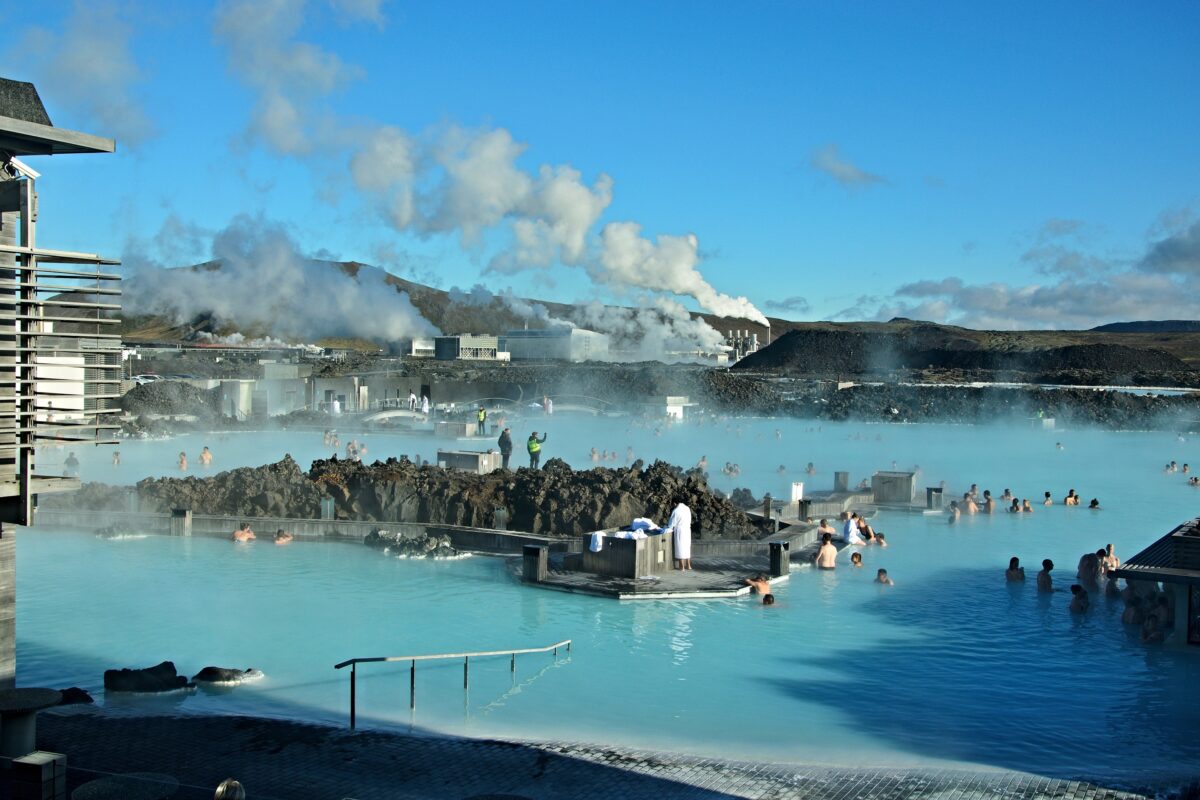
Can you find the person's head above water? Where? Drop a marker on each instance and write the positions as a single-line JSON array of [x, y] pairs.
[[1077, 589], [1047, 564], [1094, 504], [856, 558], [826, 538], [1014, 562], [768, 599]]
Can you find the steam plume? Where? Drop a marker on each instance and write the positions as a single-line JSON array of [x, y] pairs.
[[264, 283]]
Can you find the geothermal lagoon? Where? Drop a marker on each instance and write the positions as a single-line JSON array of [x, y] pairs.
[[950, 665]]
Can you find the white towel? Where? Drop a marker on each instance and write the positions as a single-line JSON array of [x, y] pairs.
[[597, 543], [642, 523]]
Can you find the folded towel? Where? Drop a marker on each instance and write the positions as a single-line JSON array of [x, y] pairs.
[[641, 524], [597, 542]]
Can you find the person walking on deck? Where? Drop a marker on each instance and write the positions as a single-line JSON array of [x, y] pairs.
[[534, 446], [505, 443]]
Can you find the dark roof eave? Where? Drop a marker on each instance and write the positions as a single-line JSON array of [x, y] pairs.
[[23, 138]]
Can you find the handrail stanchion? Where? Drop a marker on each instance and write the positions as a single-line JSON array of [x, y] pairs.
[[513, 666], [412, 685], [466, 660], [353, 674]]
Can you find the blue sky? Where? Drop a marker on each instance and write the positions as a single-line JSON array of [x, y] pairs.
[[995, 165]]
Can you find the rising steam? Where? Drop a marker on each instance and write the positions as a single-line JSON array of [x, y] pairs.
[[263, 283]]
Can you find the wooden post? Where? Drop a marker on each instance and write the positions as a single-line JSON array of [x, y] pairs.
[[536, 564]]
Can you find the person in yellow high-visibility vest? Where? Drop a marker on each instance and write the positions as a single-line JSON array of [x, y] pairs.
[[481, 416], [534, 446]]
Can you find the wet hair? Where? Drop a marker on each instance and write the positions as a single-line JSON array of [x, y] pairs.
[[229, 789], [1094, 504], [1077, 589], [881, 572], [768, 599], [855, 558], [1102, 552], [1047, 564], [1047, 494], [826, 538], [824, 521], [1014, 562]]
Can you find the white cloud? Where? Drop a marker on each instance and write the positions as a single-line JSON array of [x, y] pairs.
[[88, 67], [829, 160]]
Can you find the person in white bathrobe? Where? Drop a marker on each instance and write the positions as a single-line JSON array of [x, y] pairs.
[[680, 528]]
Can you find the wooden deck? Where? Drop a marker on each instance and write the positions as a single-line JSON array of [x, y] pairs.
[[713, 578]]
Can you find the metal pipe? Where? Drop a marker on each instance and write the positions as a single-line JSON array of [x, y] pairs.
[[353, 674], [512, 667], [466, 661], [412, 685]]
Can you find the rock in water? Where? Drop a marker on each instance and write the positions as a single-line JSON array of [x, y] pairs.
[[75, 696], [159, 678], [225, 675]]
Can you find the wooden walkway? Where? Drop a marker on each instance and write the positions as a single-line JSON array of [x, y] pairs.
[[711, 579]]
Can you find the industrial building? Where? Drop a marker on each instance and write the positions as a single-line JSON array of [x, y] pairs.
[[556, 344], [468, 347]]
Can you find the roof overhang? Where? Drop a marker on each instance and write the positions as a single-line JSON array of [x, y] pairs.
[[23, 138]]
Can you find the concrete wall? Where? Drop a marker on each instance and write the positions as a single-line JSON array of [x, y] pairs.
[[483, 540]]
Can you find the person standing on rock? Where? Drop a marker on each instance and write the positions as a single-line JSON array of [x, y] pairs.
[[481, 422], [534, 446], [680, 528], [505, 442]]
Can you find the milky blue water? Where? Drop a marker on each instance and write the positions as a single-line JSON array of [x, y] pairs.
[[950, 664]]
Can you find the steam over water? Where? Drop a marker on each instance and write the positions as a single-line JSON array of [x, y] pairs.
[[950, 664]]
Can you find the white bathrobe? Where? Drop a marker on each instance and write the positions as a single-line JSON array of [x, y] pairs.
[[680, 526]]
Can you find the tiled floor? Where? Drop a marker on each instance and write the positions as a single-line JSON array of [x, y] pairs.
[[278, 760]]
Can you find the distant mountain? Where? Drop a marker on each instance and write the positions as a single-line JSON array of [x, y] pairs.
[[1152, 326]]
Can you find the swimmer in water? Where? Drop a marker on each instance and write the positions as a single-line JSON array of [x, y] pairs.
[[182, 462], [1094, 505], [1111, 562], [782, 469], [1049, 501], [759, 584], [1025, 507], [953, 511], [882, 577], [1079, 599], [825, 528], [768, 599], [968, 503], [856, 559], [826, 557], [810, 469], [1071, 499], [243, 534], [283, 537], [1044, 582], [1015, 508], [116, 459], [989, 505], [205, 457], [1015, 572]]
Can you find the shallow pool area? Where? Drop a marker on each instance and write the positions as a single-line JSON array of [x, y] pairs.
[[949, 665]]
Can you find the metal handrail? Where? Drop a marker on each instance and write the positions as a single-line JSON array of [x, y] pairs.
[[353, 663]]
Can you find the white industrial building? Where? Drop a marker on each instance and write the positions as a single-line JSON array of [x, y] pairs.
[[556, 344]]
